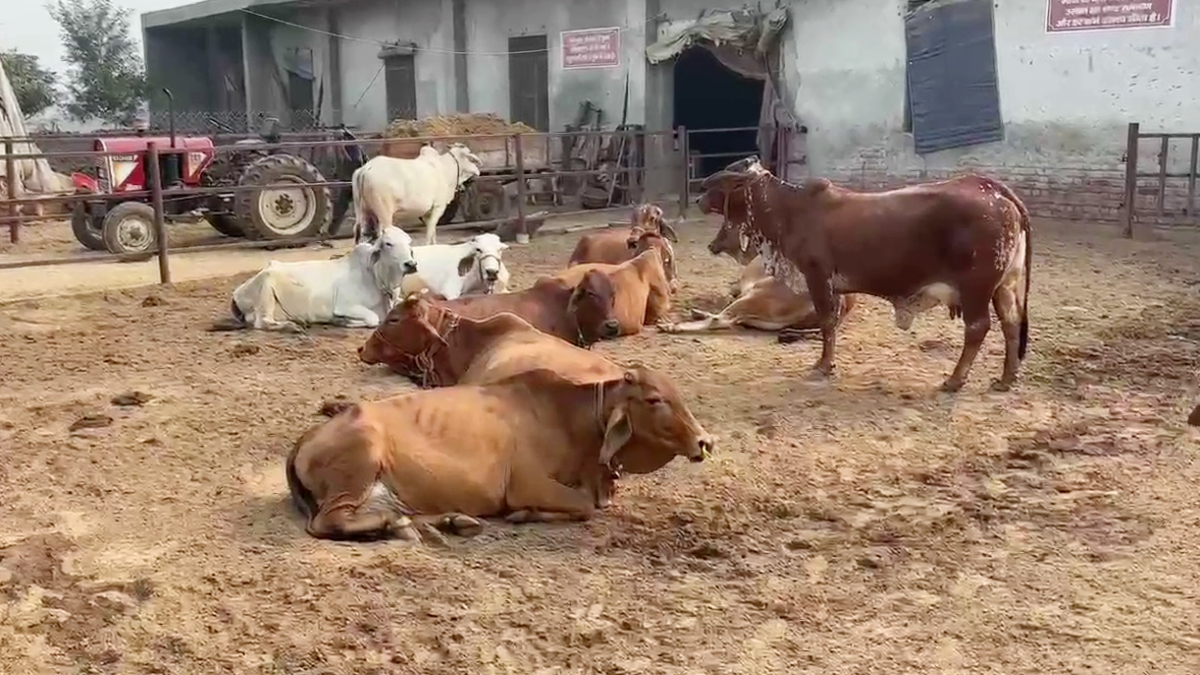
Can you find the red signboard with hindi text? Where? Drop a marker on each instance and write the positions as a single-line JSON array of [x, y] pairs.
[[1070, 16], [591, 48]]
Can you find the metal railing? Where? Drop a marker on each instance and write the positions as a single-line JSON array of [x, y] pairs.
[[531, 173], [1172, 199]]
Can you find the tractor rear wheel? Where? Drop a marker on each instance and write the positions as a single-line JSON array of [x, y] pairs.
[[129, 228], [286, 205], [86, 229]]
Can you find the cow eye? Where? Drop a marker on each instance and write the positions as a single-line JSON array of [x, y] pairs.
[[655, 400]]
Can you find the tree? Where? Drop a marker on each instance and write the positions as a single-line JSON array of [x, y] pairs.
[[105, 77], [32, 84]]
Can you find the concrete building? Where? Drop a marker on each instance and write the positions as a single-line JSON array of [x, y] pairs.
[[1038, 92]]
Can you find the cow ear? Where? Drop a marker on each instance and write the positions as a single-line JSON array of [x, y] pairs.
[[668, 232], [375, 253], [616, 434], [466, 263], [503, 246]]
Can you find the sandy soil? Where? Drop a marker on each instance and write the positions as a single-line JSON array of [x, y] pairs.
[[867, 525]]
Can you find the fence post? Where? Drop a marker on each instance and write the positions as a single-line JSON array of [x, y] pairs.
[[685, 189], [522, 226], [156, 201], [1131, 169], [14, 209]]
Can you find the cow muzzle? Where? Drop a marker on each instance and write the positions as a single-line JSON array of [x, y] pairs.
[[712, 248], [410, 267], [491, 275], [705, 446], [610, 329]]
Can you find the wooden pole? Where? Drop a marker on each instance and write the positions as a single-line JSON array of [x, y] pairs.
[[160, 223]]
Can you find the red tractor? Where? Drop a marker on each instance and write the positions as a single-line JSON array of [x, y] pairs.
[[285, 205]]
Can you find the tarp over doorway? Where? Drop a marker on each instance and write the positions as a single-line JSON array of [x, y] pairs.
[[746, 41]]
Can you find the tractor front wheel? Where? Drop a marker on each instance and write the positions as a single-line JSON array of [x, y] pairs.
[[129, 228], [286, 205]]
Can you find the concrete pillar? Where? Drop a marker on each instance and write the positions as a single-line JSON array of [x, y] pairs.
[[462, 102], [335, 65]]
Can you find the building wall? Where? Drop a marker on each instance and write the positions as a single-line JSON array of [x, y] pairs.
[[1065, 100], [281, 39], [428, 23], [490, 23], [170, 52]]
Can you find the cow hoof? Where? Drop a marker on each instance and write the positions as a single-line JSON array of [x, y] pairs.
[[819, 374], [1001, 386], [431, 535], [697, 314], [665, 327], [517, 517], [405, 531], [463, 526], [951, 386]]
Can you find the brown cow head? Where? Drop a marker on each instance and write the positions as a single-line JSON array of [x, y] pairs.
[[647, 424], [409, 339], [591, 305], [726, 192], [650, 240], [648, 218]]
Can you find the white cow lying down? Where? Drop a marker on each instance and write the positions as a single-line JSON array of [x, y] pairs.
[[419, 188], [354, 291], [454, 270]]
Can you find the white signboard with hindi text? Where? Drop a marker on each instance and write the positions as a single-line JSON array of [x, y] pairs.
[[591, 48]]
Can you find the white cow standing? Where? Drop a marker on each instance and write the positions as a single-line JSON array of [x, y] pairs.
[[419, 188], [455, 270], [352, 291]]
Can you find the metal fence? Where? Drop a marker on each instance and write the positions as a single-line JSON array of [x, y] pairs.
[[526, 178], [1166, 195]]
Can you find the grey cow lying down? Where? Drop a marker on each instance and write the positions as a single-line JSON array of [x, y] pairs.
[[354, 291]]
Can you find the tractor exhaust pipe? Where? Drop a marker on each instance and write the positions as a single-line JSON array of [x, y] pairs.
[[173, 164], [170, 114]]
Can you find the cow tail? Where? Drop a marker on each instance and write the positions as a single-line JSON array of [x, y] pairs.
[[363, 217], [1011, 196], [305, 503]]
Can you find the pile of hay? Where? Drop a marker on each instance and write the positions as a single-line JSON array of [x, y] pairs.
[[460, 124]]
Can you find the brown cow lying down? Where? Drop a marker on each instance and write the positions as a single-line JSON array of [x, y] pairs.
[[433, 346], [580, 313], [530, 448], [617, 246], [963, 242], [641, 293], [760, 301]]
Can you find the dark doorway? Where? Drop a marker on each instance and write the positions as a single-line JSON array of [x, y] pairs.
[[710, 96], [529, 81], [400, 86]]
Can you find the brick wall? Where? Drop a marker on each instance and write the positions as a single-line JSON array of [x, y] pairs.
[[1068, 192]]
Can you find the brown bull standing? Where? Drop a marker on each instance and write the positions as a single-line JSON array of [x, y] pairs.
[[963, 242]]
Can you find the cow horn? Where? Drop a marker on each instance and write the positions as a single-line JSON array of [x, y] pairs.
[[714, 179]]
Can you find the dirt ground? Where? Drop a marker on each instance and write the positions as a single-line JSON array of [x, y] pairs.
[[866, 525]]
